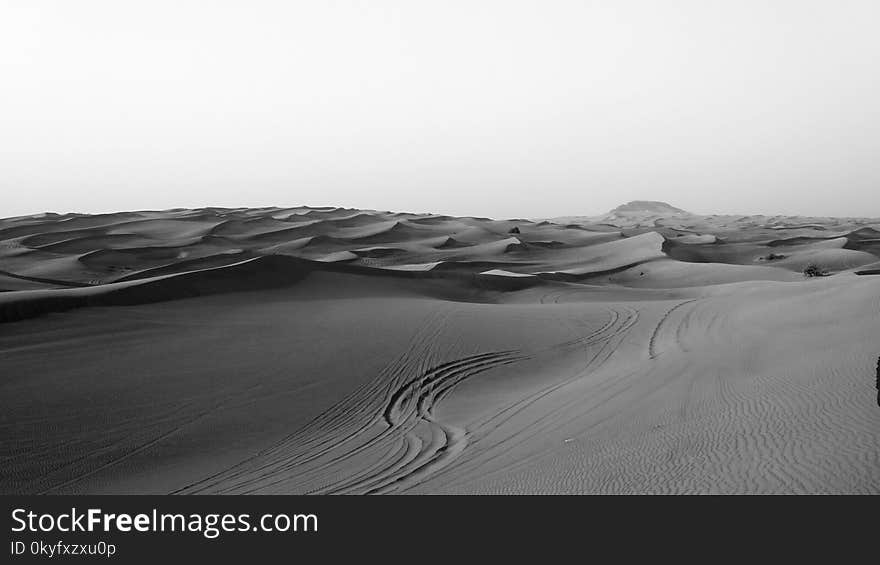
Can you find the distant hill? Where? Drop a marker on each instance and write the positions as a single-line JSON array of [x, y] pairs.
[[641, 212], [647, 207], [637, 212]]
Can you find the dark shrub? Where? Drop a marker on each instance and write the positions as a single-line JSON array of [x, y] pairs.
[[813, 270]]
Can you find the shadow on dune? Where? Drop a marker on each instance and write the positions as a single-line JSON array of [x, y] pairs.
[[255, 274], [260, 273]]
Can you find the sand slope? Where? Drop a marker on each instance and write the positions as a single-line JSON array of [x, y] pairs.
[[331, 350]]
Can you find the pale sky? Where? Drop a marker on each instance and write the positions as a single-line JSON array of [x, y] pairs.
[[498, 108]]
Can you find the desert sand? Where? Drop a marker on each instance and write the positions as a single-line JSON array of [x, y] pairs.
[[333, 350]]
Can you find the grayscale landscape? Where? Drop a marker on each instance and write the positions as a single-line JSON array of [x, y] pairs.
[[344, 351], [461, 247]]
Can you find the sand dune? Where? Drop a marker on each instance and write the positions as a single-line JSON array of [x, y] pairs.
[[334, 350]]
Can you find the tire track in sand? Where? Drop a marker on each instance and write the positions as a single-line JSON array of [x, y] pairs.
[[383, 437]]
